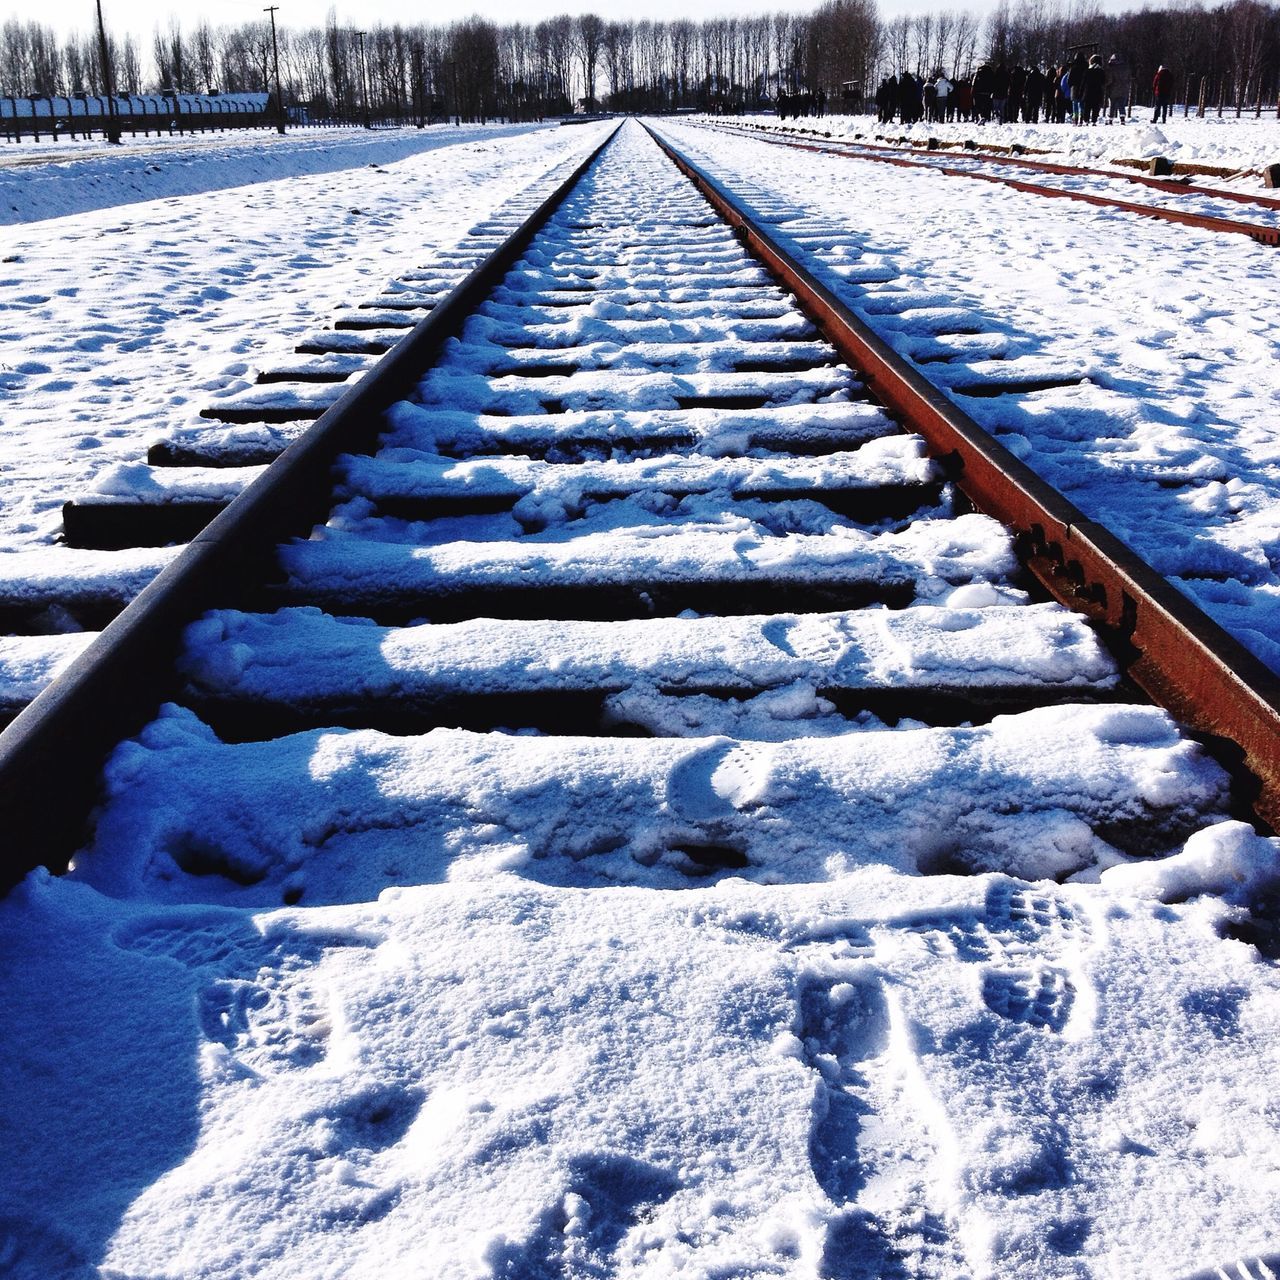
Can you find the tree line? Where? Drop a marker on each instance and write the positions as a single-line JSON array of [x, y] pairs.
[[476, 69], [1225, 54]]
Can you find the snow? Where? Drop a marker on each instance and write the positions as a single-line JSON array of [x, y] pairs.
[[636, 544], [1259, 210], [304, 656], [118, 324], [138, 481], [29, 663], [54, 180], [1244, 145], [1229, 859], [456, 805], [774, 991], [397, 473], [64, 575]]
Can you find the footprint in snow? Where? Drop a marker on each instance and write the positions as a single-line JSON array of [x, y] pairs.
[[260, 997], [1265, 1267], [1020, 934], [840, 1026], [869, 1148], [580, 1231], [1040, 997]]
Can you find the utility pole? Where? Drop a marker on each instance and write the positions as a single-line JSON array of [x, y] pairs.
[[104, 56], [364, 81], [275, 55], [420, 88]]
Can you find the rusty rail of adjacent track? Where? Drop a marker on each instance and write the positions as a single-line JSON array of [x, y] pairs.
[[51, 756], [1206, 222], [1183, 659], [1171, 185]]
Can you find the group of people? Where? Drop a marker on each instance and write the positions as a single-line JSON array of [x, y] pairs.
[[795, 105], [1075, 91]]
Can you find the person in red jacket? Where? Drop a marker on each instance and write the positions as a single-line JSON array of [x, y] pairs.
[[1162, 87]]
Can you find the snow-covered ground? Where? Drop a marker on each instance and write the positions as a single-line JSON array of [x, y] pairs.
[[1244, 146], [53, 179], [508, 1024], [120, 324], [1169, 436]]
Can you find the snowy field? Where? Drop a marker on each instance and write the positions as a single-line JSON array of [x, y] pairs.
[[546, 1049], [53, 179], [1245, 145], [120, 324]]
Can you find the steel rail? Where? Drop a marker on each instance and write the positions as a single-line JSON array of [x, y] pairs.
[[1171, 185], [51, 755], [1206, 222], [1183, 659]]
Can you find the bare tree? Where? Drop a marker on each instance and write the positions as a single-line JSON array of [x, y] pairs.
[[589, 33], [964, 43], [204, 57], [1247, 22], [129, 79]]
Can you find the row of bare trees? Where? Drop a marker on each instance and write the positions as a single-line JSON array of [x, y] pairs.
[[474, 68], [1229, 52], [478, 69]]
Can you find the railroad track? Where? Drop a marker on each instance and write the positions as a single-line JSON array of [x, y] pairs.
[[119, 534], [616, 573], [1168, 201]]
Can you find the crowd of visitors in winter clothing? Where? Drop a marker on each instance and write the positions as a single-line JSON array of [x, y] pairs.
[[796, 105], [1084, 90]]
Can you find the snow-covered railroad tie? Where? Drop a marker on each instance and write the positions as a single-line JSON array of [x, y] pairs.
[[602, 803]]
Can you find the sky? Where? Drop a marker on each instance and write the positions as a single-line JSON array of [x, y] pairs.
[[142, 16]]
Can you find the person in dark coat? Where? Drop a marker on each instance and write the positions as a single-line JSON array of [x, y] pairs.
[[1075, 87], [983, 80], [1162, 88], [1032, 94], [1017, 81], [887, 98], [1095, 83], [1000, 93], [1061, 95], [909, 99]]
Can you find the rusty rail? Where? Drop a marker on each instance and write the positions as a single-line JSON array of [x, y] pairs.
[[1174, 186], [1171, 185], [1183, 659], [1206, 222]]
